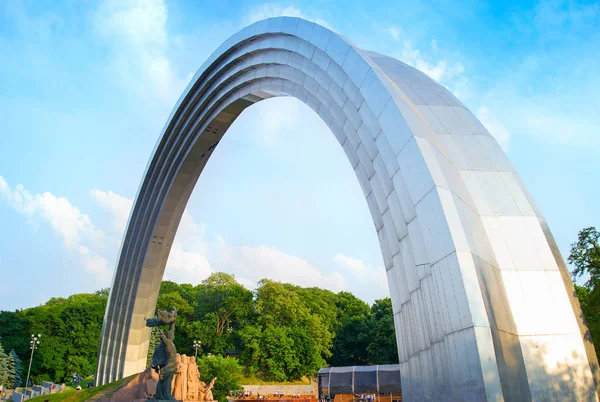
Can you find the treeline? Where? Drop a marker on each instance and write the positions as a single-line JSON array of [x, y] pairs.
[[277, 332], [70, 329], [585, 257]]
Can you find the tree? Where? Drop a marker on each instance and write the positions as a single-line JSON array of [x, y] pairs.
[[223, 306], [585, 256], [4, 367], [352, 335], [14, 330], [382, 349], [287, 340], [227, 370], [15, 367]]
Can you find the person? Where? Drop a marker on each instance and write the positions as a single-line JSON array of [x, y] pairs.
[[177, 384]]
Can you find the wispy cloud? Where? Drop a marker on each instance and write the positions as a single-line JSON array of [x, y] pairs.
[[494, 127], [394, 32], [74, 228], [365, 279], [269, 10], [136, 31], [117, 205], [193, 257]]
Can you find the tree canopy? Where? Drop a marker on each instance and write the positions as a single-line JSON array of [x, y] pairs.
[[585, 257], [277, 332]]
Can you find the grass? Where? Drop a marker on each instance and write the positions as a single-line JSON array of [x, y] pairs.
[[86, 394]]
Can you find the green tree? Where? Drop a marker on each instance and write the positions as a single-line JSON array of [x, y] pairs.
[[4, 367], [287, 341], [585, 256], [382, 349], [353, 333], [15, 368], [227, 370], [70, 329], [14, 330], [223, 307]]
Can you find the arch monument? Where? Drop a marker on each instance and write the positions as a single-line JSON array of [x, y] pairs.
[[483, 305]]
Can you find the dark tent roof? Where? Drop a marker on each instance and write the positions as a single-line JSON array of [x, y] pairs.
[[360, 379]]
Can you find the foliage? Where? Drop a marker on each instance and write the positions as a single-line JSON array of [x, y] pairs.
[[279, 332], [353, 332], [585, 256], [287, 341], [15, 367], [382, 348], [227, 370], [4, 367], [70, 331]]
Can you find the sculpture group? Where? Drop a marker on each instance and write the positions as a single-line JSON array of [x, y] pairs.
[[178, 375], [186, 381]]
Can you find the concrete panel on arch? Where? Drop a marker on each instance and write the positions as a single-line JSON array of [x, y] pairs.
[[483, 306]]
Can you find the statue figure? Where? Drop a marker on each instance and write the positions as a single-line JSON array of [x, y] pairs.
[[176, 385], [164, 359], [193, 377], [180, 386], [184, 377], [205, 391], [141, 387]]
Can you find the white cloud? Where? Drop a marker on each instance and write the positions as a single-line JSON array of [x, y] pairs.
[[72, 226], [137, 33], [272, 119], [96, 265], [188, 260], [256, 263], [364, 280], [193, 258], [118, 206], [444, 71], [494, 126], [192, 261], [356, 265], [67, 221], [270, 10], [394, 32]]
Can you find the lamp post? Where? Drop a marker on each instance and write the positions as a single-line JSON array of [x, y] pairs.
[[197, 345], [33, 345]]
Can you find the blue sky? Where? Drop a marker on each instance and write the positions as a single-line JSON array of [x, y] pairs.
[[87, 86]]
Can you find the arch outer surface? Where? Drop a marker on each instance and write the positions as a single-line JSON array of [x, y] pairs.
[[483, 305]]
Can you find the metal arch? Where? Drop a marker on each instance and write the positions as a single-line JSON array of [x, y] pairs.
[[483, 305]]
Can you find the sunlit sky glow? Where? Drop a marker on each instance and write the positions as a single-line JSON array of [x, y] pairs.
[[86, 88]]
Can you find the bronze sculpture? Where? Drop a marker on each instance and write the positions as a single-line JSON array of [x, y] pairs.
[[164, 360]]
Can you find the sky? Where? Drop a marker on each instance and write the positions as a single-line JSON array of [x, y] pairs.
[[86, 87]]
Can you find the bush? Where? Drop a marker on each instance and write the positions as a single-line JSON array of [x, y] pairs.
[[227, 370]]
